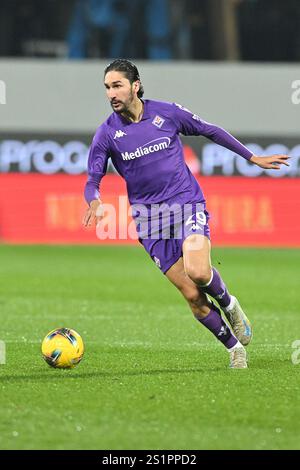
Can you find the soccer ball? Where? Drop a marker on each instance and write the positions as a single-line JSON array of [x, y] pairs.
[[62, 348]]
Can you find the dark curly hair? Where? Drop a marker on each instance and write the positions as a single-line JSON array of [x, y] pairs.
[[130, 71]]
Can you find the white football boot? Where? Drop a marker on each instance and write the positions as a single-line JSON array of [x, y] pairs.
[[239, 322], [238, 358]]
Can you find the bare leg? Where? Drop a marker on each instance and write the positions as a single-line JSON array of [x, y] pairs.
[[196, 254], [196, 258], [196, 299], [204, 311], [197, 263]]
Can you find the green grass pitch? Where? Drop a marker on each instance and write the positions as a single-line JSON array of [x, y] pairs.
[[152, 377]]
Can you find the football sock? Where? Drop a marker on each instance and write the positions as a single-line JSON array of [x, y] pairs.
[[215, 323], [237, 345], [217, 289], [232, 302]]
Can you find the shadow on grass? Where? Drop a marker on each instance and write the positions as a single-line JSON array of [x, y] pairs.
[[63, 374], [257, 366]]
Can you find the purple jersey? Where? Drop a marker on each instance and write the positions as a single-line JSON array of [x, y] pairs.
[[149, 154]]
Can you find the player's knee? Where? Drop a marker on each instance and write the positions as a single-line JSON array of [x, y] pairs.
[[197, 302], [198, 275], [192, 295]]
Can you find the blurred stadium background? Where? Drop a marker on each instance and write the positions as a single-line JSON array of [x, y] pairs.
[[233, 62]]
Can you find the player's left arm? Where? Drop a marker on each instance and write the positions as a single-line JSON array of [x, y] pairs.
[[191, 124], [271, 162]]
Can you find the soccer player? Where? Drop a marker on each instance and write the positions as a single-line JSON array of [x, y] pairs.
[[142, 139]]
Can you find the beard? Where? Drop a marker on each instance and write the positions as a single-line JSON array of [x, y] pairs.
[[121, 106], [118, 107]]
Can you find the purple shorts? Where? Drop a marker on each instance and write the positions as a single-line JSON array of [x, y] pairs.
[[164, 242]]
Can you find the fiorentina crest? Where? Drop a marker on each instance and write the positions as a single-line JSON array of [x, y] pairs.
[[158, 121]]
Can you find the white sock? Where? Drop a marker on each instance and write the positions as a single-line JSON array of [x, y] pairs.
[[209, 282], [231, 303], [237, 345]]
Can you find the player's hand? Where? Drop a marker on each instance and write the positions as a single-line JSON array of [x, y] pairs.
[[94, 213], [270, 163]]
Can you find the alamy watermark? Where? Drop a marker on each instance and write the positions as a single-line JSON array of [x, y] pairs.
[[295, 357], [295, 97], [2, 352], [2, 92], [152, 221]]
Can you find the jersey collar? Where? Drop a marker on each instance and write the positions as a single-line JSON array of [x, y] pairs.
[[146, 114]]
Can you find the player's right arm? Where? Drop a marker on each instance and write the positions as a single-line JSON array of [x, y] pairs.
[[97, 166], [93, 213]]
